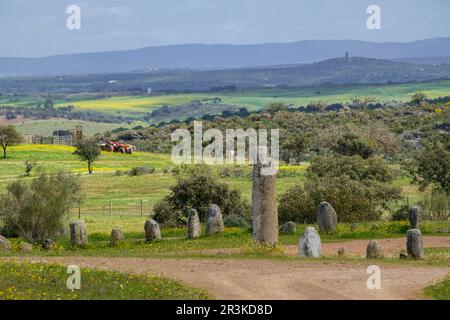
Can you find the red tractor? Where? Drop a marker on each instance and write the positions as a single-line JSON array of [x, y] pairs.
[[115, 146]]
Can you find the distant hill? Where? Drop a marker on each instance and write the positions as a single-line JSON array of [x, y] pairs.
[[200, 56], [426, 60], [337, 71]]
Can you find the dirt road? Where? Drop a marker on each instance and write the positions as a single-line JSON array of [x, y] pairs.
[[270, 279]]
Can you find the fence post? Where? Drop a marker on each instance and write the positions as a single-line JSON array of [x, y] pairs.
[[142, 208], [110, 209], [79, 211]]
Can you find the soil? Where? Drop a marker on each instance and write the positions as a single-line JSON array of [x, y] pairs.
[[271, 279]]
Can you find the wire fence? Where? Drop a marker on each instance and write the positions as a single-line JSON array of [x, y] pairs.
[[136, 208]]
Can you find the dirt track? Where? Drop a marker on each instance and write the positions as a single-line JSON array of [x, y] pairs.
[[269, 279]]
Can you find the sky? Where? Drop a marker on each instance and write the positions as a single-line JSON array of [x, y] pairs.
[[38, 28]]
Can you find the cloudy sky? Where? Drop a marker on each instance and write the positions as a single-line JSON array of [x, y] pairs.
[[38, 27]]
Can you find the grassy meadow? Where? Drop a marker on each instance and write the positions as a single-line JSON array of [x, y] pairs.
[[251, 99]]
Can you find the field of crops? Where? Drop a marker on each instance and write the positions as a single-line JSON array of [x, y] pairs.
[[251, 99]]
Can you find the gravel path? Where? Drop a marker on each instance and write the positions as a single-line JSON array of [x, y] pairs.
[[270, 279]]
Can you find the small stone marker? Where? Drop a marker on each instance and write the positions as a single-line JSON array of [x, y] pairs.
[[5, 244], [415, 217], [78, 234], [403, 255], [194, 229], [47, 244], [152, 231], [342, 252], [26, 247], [214, 224], [288, 228], [310, 244], [326, 218], [414, 244], [374, 250], [116, 237]]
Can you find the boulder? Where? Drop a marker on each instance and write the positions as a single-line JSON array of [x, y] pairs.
[[78, 234], [415, 217], [374, 250], [47, 244], [310, 244], [214, 224], [414, 244], [288, 228], [194, 229], [326, 218], [403, 255], [116, 237], [152, 230], [26, 247], [5, 244]]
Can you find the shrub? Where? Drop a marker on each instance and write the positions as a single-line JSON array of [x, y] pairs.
[[37, 210], [358, 189], [436, 206], [296, 205], [351, 145], [355, 167], [166, 214], [234, 220], [140, 171], [401, 214], [199, 189], [432, 164]]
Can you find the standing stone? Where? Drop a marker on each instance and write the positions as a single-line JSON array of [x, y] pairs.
[[326, 218], [288, 228], [414, 244], [194, 229], [152, 231], [5, 244], [26, 247], [47, 244], [415, 217], [214, 224], [374, 250], [264, 205], [116, 237], [310, 244], [78, 234]]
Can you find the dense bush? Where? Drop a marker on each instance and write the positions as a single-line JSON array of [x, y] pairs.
[[351, 145], [199, 189], [432, 164], [358, 189], [141, 171], [436, 205], [37, 210]]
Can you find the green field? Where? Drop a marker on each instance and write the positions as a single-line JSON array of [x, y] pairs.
[[257, 99], [251, 99], [105, 187], [46, 127]]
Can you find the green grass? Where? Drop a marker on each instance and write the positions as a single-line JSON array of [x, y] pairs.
[[251, 99], [174, 243], [42, 281], [46, 127], [440, 290], [105, 187]]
